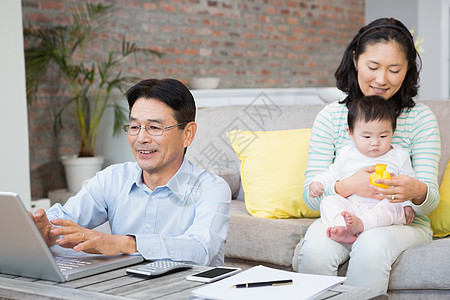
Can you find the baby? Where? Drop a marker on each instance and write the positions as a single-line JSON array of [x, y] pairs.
[[371, 125]]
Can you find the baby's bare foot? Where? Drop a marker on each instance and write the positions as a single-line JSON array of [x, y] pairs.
[[354, 224], [341, 234]]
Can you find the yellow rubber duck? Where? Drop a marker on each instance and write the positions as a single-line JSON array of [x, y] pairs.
[[380, 173]]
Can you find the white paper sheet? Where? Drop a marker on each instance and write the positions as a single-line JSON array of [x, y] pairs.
[[304, 285]]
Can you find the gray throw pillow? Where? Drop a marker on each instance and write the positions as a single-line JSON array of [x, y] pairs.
[[231, 176]]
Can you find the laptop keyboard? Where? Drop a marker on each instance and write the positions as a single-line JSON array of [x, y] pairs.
[[67, 263]]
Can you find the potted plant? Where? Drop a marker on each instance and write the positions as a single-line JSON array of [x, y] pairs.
[[93, 86]]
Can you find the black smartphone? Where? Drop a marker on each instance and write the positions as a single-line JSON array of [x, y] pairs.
[[213, 274]]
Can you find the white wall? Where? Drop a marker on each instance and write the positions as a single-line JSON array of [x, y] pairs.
[[430, 19], [113, 149], [14, 151], [403, 10], [433, 25]]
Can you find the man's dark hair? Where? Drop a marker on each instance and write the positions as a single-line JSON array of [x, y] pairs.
[[371, 108], [169, 91]]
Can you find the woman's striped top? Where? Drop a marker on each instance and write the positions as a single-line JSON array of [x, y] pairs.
[[417, 131]]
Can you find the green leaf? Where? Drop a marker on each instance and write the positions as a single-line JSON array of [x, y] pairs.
[[120, 118], [92, 85]]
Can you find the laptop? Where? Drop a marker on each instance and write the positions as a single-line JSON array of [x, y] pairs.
[[25, 253]]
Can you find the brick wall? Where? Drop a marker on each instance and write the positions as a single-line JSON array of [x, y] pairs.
[[247, 43]]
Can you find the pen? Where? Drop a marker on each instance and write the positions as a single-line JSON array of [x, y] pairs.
[[263, 283]]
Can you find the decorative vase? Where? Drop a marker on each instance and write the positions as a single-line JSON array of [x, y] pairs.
[[204, 83], [80, 169]]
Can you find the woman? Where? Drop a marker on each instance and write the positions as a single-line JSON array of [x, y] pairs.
[[380, 60]]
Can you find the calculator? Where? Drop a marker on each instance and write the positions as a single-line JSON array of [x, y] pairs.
[[158, 268]]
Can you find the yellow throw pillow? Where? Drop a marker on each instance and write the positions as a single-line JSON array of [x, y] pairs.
[[440, 217], [273, 165]]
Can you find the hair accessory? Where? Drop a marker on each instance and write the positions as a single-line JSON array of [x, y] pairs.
[[406, 32]]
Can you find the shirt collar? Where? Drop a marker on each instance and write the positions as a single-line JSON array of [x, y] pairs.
[[177, 184], [137, 181], [180, 183], [185, 186]]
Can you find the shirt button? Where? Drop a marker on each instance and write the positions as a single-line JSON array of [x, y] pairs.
[[149, 253], [149, 227], [172, 256]]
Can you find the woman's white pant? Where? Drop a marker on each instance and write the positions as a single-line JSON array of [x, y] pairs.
[[371, 256]]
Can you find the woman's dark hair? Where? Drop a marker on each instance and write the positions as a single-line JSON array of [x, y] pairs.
[[380, 31], [169, 91], [371, 108]]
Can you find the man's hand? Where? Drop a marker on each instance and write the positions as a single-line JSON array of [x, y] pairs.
[[90, 241], [43, 225], [409, 214]]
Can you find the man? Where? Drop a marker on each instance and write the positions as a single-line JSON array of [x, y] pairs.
[[161, 205]]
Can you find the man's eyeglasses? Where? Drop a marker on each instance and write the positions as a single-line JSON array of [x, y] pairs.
[[154, 129]]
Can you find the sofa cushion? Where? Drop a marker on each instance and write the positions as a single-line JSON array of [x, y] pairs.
[[440, 217], [424, 266], [211, 145], [260, 239], [231, 176], [272, 171]]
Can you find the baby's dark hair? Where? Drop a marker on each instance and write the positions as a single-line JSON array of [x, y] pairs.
[[371, 108]]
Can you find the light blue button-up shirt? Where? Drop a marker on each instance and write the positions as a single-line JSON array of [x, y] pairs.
[[185, 220]]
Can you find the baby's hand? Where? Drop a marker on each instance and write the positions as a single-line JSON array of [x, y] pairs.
[[315, 189], [409, 214]]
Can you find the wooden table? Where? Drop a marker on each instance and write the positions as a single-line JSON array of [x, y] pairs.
[[117, 284], [114, 284]]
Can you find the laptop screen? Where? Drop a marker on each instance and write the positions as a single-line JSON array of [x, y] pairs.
[[25, 253]]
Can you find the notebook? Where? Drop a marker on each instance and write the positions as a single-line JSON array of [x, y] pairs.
[[304, 286], [25, 253]]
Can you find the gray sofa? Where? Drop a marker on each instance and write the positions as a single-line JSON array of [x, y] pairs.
[[420, 272]]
